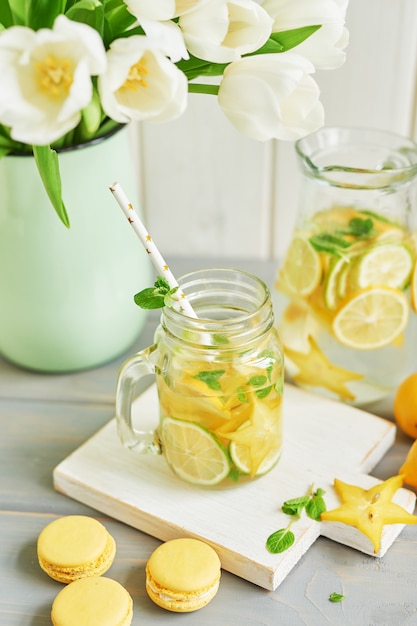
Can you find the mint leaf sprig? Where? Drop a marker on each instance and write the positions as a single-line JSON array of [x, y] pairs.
[[156, 297], [335, 242], [314, 505]]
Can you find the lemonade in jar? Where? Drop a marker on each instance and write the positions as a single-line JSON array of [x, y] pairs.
[[219, 378], [346, 292]]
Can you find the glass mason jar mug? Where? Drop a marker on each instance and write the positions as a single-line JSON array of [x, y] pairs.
[[346, 292], [219, 379]]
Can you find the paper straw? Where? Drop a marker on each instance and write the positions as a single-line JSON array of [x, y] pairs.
[[181, 305]]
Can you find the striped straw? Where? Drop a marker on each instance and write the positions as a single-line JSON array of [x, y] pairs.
[[181, 305]]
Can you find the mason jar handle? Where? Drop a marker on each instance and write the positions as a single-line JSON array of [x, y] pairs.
[[131, 372]]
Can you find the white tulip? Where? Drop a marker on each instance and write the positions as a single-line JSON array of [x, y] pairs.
[[271, 96], [222, 31], [46, 78], [325, 48], [161, 10], [141, 83], [168, 37]]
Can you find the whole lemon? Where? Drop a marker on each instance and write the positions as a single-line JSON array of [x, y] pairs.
[[405, 406]]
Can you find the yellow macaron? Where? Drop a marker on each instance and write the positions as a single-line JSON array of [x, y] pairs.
[[93, 601], [74, 547], [183, 575]]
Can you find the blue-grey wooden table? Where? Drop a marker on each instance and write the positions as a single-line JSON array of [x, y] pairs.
[[43, 418]]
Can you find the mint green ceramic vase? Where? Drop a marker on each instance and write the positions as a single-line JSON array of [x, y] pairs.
[[66, 295]]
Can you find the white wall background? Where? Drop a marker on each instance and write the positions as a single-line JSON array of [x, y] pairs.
[[208, 191]]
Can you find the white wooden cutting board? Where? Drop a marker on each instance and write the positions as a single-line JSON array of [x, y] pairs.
[[323, 440]]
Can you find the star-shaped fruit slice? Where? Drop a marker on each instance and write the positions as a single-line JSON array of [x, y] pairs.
[[369, 510], [256, 445], [315, 370]]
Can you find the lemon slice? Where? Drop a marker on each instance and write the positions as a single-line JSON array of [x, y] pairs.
[[414, 288], [389, 265], [242, 458], [302, 268], [331, 285], [372, 318], [193, 452]]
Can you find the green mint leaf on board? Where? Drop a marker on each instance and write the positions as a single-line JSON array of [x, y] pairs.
[[295, 505], [316, 505], [280, 541], [336, 597], [211, 378]]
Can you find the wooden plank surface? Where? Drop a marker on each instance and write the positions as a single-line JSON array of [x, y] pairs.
[[323, 440]]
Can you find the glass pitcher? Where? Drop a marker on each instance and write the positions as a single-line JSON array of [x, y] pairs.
[[345, 294]]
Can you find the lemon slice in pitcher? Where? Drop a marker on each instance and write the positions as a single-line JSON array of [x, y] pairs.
[[193, 452], [372, 318], [389, 265], [302, 270]]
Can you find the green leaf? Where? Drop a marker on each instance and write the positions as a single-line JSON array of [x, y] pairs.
[[90, 12], [326, 242], [241, 395], [48, 167], [149, 299], [257, 381], [91, 119], [211, 378], [359, 226], [155, 297], [6, 17], [290, 38], [316, 505], [280, 541], [336, 597], [262, 393], [42, 13], [220, 339], [295, 505]]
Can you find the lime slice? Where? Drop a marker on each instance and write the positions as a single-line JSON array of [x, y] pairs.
[[302, 268], [193, 452], [242, 458], [389, 265], [372, 318]]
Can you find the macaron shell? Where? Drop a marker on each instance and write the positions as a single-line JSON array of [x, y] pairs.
[[94, 601], [183, 575], [179, 602], [75, 546]]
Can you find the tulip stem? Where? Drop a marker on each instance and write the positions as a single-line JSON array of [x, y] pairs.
[[202, 88]]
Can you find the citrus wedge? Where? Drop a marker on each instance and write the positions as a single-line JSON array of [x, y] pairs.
[[302, 270], [241, 457], [371, 318], [389, 265], [331, 284], [193, 452]]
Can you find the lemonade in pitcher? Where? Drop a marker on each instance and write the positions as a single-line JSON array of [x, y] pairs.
[[346, 292]]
